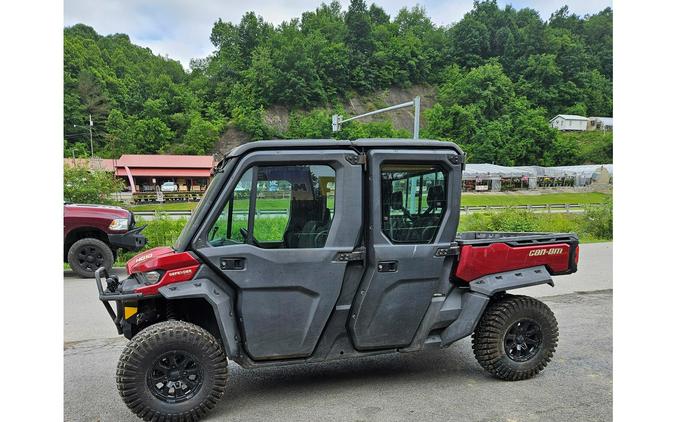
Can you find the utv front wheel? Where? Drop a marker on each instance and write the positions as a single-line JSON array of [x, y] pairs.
[[516, 337], [172, 370]]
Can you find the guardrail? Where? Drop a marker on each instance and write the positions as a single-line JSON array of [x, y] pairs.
[[547, 208], [535, 208]]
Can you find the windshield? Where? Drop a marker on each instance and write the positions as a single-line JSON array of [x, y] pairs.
[[202, 207]]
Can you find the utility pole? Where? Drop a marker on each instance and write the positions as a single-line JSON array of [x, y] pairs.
[[91, 138], [338, 121]]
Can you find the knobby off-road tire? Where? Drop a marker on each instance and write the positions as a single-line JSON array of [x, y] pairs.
[[505, 339], [87, 255], [152, 350]]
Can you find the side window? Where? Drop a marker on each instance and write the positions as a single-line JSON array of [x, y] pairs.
[[413, 201], [288, 206], [227, 229], [294, 206]]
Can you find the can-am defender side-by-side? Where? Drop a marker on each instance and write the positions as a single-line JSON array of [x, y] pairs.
[[312, 250]]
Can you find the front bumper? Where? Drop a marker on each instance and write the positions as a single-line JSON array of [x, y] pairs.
[[132, 240], [113, 293]]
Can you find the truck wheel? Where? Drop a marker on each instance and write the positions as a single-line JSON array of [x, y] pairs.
[[172, 370], [515, 338], [88, 255]]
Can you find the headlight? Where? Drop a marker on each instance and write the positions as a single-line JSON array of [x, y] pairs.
[[152, 276], [119, 224]]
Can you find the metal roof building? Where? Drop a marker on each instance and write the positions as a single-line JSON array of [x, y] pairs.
[[152, 168]]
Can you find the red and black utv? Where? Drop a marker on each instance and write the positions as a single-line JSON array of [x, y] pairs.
[[311, 250]]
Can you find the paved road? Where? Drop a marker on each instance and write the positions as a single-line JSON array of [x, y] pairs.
[[433, 385]]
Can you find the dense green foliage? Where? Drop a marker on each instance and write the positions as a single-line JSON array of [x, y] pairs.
[[572, 148], [138, 102], [591, 226], [84, 186], [500, 75]]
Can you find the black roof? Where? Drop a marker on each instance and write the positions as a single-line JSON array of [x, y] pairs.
[[335, 143]]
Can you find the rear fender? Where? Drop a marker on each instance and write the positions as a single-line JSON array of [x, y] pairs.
[[482, 289], [508, 280]]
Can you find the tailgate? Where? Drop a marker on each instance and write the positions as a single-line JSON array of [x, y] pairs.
[[483, 253]]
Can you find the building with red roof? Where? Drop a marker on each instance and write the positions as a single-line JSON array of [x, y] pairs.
[[144, 173]]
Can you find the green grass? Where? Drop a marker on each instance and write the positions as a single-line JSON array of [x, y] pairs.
[[480, 199], [533, 199]]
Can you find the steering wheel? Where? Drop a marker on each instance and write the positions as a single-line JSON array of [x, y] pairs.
[[244, 234]]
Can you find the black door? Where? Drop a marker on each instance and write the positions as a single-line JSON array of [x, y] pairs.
[[413, 217], [280, 224]]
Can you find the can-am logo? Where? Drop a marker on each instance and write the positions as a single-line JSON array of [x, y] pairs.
[[551, 251], [181, 272], [143, 258]]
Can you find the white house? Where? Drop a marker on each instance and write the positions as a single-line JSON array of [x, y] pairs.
[[569, 122], [601, 123]]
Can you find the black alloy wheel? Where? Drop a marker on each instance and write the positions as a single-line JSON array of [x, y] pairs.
[[175, 376], [522, 340], [90, 258], [172, 371], [88, 255], [515, 338]]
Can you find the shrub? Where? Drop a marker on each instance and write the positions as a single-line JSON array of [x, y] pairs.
[[160, 231], [82, 185], [595, 224], [598, 220], [506, 221]]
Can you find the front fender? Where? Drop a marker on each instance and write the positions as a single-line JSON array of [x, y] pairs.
[[222, 303]]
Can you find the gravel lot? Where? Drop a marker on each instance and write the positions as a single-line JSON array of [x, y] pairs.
[[434, 385]]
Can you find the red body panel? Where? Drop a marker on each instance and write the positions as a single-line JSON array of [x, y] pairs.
[[178, 266], [478, 261], [96, 216], [159, 258], [173, 276]]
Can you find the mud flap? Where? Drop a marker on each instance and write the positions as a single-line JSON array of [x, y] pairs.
[[473, 305]]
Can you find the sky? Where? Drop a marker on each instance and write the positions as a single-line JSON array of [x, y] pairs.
[[180, 29]]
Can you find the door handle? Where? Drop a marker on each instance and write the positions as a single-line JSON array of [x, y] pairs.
[[232, 263], [387, 266]]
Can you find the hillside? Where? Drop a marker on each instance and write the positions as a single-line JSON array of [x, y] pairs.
[[490, 82]]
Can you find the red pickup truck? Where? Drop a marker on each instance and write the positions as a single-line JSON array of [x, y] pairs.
[[92, 234]]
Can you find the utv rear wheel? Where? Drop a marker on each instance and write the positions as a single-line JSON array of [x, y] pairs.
[[516, 337], [173, 371], [88, 255]]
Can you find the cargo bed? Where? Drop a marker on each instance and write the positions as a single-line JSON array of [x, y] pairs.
[[484, 253]]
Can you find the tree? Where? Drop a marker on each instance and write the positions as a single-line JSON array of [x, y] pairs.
[[81, 185], [200, 137], [359, 41], [148, 135], [499, 74]]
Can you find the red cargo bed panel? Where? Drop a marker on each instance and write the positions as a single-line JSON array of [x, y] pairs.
[[478, 261]]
